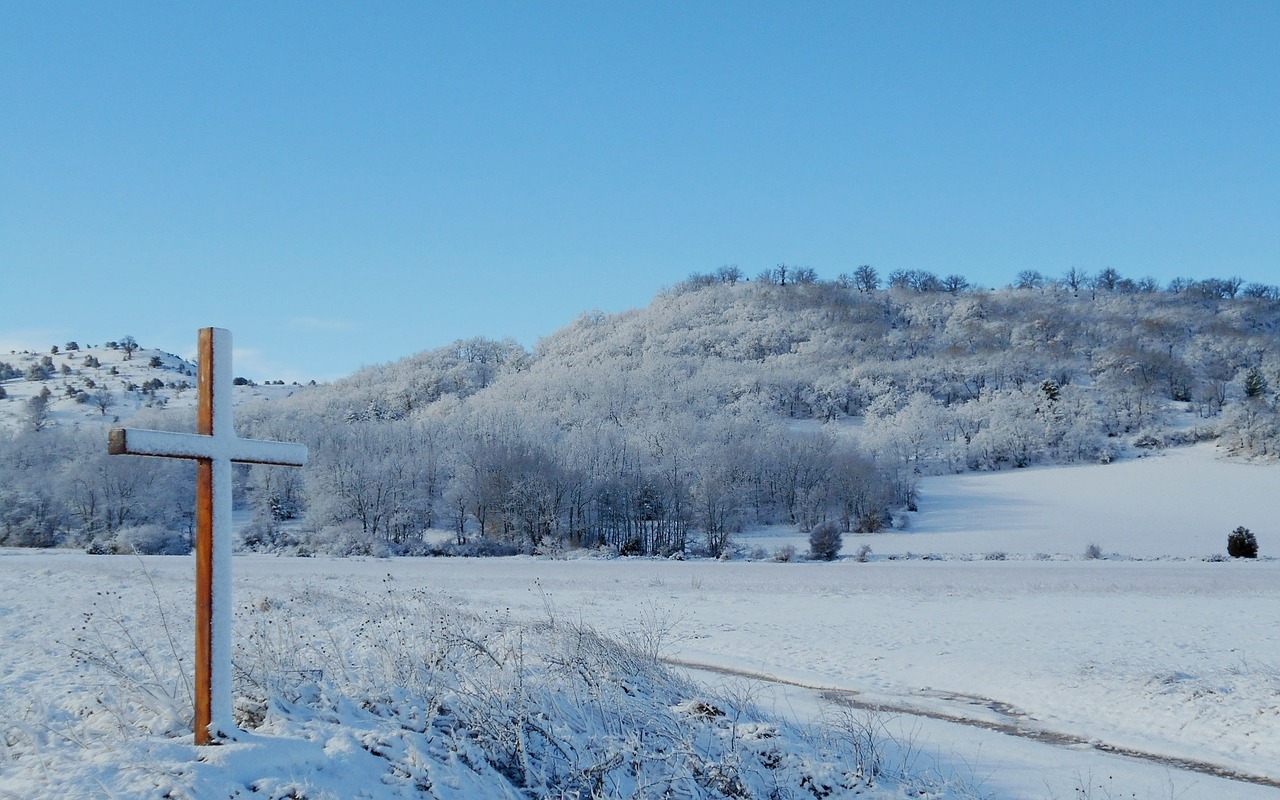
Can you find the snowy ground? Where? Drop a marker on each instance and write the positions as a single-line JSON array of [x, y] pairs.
[[1174, 660]]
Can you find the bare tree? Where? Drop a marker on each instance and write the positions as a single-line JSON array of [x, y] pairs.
[[1075, 279], [805, 275], [729, 274], [1108, 280], [1029, 279], [103, 398], [129, 345], [866, 278]]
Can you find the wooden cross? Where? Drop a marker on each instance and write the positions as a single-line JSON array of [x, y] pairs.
[[213, 447]]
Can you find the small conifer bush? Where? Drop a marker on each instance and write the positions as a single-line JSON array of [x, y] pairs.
[[1242, 543]]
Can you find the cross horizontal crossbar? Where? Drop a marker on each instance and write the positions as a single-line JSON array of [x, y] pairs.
[[170, 444]]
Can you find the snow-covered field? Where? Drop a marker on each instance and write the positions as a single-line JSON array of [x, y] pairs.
[[1179, 503], [1176, 661]]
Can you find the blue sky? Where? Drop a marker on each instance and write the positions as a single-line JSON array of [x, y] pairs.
[[344, 184]]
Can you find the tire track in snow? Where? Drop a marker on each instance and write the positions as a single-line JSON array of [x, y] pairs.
[[1011, 723]]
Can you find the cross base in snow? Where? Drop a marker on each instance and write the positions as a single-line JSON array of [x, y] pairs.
[[213, 447]]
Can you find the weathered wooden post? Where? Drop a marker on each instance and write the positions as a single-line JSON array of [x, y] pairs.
[[214, 447]]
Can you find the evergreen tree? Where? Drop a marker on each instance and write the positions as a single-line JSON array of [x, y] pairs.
[[1255, 384]]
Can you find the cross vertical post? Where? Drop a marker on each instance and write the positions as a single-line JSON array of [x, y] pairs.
[[208, 478], [214, 447]]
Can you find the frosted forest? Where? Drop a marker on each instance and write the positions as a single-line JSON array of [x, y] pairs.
[[728, 403]]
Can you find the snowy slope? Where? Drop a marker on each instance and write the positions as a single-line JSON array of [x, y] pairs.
[[1179, 502], [74, 384]]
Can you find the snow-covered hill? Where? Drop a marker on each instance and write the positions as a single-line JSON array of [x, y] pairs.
[[717, 409], [94, 387]]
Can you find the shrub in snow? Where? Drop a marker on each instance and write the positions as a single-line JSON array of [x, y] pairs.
[[863, 552], [998, 555], [825, 542], [1242, 543], [39, 372], [263, 535], [785, 554], [873, 521], [1092, 552], [481, 546], [345, 539], [151, 540]]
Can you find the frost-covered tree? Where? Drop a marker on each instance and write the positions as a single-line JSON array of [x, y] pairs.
[[36, 416], [1254, 383], [39, 372], [825, 542]]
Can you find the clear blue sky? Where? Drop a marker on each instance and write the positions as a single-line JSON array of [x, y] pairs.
[[348, 183]]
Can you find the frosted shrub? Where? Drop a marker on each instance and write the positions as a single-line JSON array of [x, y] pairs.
[[1093, 552], [264, 535], [150, 540], [863, 552], [825, 542], [1242, 543], [344, 539], [785, 554], [549, 709], [481, 546], [873, 521]]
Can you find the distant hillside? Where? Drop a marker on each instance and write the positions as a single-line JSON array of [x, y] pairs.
[[945, 381], [722, 405], [94, 387]]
